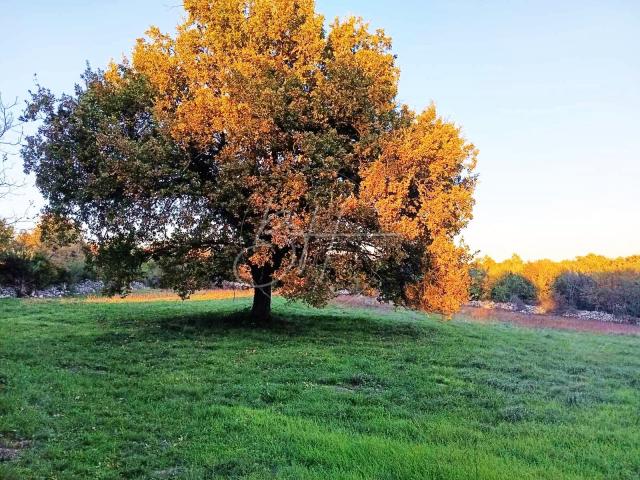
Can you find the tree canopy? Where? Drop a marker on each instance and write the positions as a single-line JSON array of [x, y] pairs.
[[255, 140]]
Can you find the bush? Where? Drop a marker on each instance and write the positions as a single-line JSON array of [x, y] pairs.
[[31, 260], [152, 275], [617, 293], [478, 284], [574, 291], [75, 272], [512, 286], [26, 273], [6, 236]]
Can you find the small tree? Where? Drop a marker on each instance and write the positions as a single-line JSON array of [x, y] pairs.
[[478, 283], [617, 293], [6, 236], [575, 291], [26, 272], [255, 138], [513, 287], [23, 265]]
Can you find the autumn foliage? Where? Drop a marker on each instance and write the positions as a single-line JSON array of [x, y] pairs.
[[257, 138], [589, 282], [36, 258]]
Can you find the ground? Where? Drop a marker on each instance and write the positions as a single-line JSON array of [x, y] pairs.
[[556, 322], [165, 389]]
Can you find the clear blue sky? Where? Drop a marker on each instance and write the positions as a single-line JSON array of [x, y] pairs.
[[549, 91]]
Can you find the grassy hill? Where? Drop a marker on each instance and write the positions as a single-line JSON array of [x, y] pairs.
[[183, 390]]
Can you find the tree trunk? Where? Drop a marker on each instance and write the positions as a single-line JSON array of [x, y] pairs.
[[261, 309]]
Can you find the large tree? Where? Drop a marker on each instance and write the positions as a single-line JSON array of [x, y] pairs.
[[254, 140]]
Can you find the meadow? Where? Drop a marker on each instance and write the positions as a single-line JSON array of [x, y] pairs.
[[191, 390]]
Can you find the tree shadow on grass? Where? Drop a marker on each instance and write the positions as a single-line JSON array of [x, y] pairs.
[[286, 322]]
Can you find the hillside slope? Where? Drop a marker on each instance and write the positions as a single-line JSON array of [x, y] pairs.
[[180, 390]]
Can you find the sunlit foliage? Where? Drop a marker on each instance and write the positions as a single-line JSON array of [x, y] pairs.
[[255, 136], [44, 255], [544, 274]]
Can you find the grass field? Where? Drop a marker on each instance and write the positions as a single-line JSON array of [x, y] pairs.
[[183, 390]]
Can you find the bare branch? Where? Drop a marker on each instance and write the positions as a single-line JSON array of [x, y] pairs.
[[8, 123], [10, 136]]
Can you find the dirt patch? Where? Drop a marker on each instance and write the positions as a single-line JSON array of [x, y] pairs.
[[489, 316], [11, 449], [483, 315]]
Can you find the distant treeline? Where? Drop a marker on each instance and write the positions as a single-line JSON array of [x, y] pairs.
[[591, 282], [53, 253], [29, 260]]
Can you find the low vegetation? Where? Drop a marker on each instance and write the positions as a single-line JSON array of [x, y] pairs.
[[612, 292], [191, 391], [31, 260], [513, 287], [592, 282]]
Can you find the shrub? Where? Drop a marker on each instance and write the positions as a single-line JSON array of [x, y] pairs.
[[27, 272], [6, 236], [574, 291], [513, 285], [152, 275], [612, 292], [32, 260], [519, 304], [618, 293], [478, 284]]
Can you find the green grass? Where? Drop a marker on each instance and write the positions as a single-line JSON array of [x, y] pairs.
[[171, 390]]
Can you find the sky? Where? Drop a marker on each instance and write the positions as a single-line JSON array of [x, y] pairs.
[[549, 92]]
